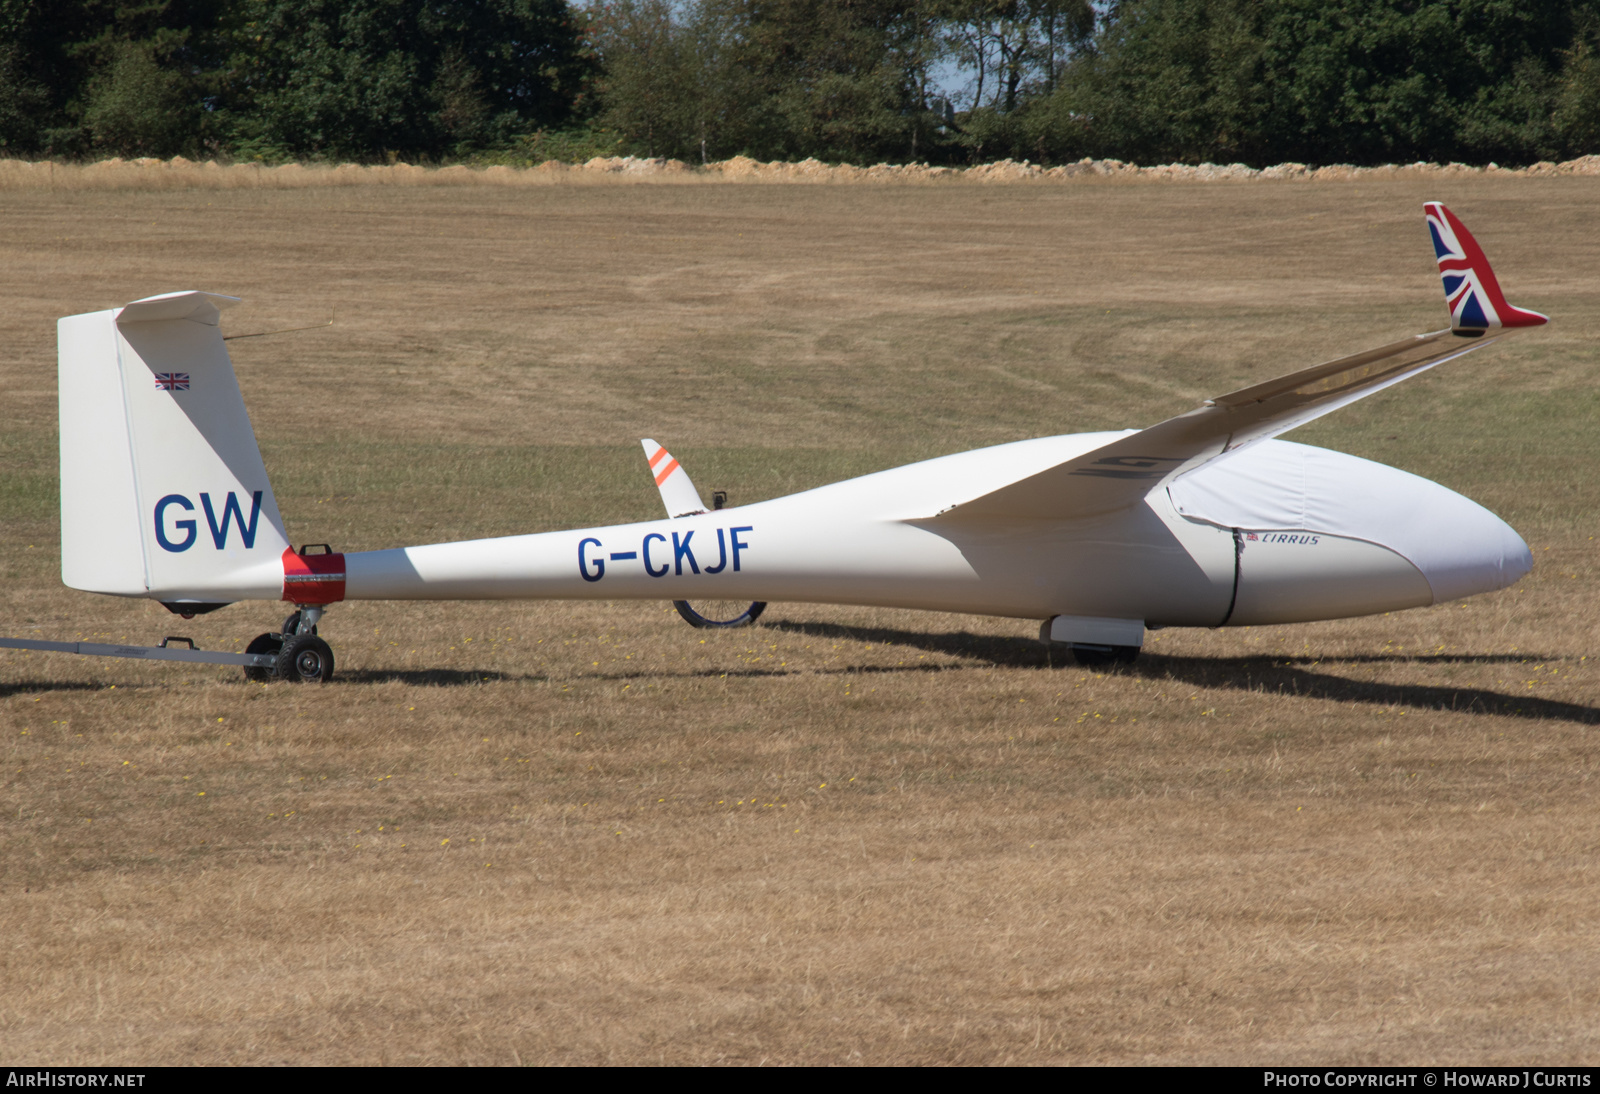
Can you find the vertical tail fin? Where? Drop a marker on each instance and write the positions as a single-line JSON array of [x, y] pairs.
[[1470, 287], [163, 492]]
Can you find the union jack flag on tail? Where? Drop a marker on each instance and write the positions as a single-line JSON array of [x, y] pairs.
[[172, 381], [1476, 302]]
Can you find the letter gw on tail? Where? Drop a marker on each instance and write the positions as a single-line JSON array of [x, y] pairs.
[[163, 492]]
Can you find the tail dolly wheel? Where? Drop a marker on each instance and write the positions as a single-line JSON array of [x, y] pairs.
[[302, 657], [305, 658], [316, 573]]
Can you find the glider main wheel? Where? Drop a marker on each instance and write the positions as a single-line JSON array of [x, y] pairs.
[[720, 613], [305, 659], [270, 644], [1096, 657], [291, 626]]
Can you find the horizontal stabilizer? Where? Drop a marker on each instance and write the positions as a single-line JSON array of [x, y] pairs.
[[198, 307]]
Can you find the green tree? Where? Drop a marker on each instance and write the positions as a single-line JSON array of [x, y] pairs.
[[63, 58], [774, 79], [1366, 81], [24, 103], [1577, 111], [364, 78], [1014, 50], [137, 107], [651, 74], [1014, 53], [835, 79]]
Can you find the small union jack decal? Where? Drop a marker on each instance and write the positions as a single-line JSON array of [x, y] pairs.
[[172, 381]]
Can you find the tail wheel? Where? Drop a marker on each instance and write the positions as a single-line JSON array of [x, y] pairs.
[[720, 613], [269, 644], [305, 659]]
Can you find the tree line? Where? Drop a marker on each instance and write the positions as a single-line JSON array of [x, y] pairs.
[[938, 81]]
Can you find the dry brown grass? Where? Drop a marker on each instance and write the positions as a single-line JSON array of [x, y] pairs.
[[546, 833]]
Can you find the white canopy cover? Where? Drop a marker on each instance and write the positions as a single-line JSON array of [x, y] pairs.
[[1283, 486]]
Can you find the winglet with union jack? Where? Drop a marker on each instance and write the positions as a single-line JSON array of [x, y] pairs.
[[1476, 302]]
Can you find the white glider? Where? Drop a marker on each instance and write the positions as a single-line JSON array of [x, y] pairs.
[[1202, 520]]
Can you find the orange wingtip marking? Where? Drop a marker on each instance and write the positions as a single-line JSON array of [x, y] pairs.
[[661, 454], [666, 472]]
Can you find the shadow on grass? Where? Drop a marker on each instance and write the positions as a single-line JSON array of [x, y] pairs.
[[27, 687], [1004, 652], [1291, 676], [1307, 677], [1268, 675], [435, 678]]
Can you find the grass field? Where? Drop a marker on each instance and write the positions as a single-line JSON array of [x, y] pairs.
[[557, 833]]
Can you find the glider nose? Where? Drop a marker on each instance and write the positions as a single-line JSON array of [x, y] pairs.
[[1474, 552]]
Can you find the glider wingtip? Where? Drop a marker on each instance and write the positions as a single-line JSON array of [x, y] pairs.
[[1471, 289], [677, 492]]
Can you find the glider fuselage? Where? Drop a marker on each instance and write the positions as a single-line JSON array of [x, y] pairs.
[[880, 540]]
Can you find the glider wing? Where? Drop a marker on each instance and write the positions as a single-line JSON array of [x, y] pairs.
[[1123, 472], [677, 492]]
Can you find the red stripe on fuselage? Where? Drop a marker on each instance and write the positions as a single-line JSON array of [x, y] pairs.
[[312, 579]]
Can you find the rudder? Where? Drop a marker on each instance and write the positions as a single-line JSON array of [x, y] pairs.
[[163, 490]]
